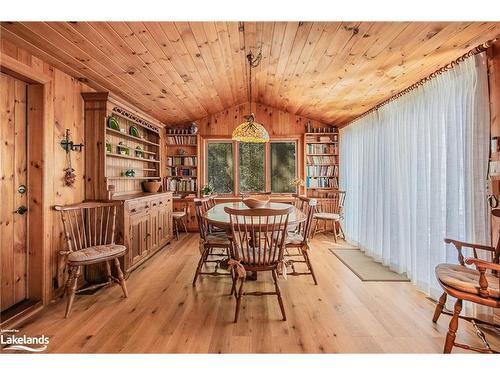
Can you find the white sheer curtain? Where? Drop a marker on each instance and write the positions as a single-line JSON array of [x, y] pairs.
[[415, 172]]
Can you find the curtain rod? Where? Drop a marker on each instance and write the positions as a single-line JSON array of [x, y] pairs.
[[478, 49]]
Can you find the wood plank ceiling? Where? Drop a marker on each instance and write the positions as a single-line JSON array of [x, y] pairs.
[[183, 71]]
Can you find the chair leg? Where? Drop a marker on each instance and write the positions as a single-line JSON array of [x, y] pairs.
[[341, 230], [334, 228], [108, 271], [315, 228], [184, 224], [452, 329], [278, 293], [72, 291], [439, 307], [305, 254], [68, 281], [238, 301], [200, 264], [176, 227], [120, 277]]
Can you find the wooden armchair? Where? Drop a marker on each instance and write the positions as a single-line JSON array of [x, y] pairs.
[[330, 210], [257, 245], [479, 285], [89, 229]]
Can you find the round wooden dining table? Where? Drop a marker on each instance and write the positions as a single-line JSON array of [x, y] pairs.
[[217, 217]]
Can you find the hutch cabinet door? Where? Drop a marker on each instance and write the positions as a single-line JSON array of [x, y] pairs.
[[154, 229], [139, 225]]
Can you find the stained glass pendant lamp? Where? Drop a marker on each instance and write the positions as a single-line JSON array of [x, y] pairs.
[[251, 131]]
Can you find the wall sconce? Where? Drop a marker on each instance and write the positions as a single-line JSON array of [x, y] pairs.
[[68, 145]]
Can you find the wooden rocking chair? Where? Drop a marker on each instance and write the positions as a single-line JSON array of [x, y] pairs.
[[330, 210], [89, 229], [480, 285]]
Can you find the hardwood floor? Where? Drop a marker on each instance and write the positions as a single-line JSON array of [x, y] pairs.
[[165, 314]]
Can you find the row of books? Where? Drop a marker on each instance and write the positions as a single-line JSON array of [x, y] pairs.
[[321, 148], [322, 170], [181, 140], [182, 160], [174, 184], [323, 138], [322, 182], [321, 159], [181, 172]]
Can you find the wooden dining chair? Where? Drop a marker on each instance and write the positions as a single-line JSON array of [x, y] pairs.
[[210, 243], [297, 242], [257, 245], [480, 285], [89, 229], [180, 218], [330, 210]]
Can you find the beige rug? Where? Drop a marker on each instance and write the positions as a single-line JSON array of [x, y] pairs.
[[364, 266]]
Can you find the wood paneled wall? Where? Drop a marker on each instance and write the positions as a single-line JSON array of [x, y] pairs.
[[277, 122], [66, 112]]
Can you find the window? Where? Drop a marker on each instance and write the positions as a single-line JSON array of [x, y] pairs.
[[283, 166], [259, 167], [251, 171], [220, 171]]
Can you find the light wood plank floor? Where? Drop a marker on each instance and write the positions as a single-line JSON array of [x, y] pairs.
[[165, 314]]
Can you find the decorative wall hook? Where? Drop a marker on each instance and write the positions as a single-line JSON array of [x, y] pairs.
[[68, 145]]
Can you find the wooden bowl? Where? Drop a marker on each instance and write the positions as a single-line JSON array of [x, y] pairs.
[[151, 186], [255, 203]]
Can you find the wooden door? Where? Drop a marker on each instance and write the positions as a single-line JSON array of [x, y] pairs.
[[13, 172], [138, 236], [164, 222], [153, 230]]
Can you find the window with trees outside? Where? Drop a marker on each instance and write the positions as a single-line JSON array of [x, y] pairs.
[[260, 167]]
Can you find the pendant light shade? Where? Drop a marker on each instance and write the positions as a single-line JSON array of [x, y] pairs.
[[250, 132]]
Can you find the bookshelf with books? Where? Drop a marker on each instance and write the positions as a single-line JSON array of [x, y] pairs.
[[321, 163], [181, 162]]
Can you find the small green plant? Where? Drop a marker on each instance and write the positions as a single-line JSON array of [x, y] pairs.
[[207, 189]]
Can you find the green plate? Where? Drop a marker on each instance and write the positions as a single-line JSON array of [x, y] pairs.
[[113, 123], [133, 131]]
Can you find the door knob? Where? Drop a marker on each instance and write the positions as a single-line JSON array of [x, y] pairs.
[[21, 210]]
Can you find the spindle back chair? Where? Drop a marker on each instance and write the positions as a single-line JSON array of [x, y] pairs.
[[297, 243], [330, 210], [89, 229], [257, 244], [209, 242]]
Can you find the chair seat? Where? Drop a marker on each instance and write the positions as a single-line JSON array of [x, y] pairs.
[[178, 214], [326, 216], [95, 254], [294, 239], [465, 279], [220, 239]]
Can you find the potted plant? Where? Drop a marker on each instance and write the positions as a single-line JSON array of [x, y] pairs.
[[207, 190]]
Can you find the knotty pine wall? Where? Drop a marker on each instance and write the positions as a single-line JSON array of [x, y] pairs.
[[67, 113]]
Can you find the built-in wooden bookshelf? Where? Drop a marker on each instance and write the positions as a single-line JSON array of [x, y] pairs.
[[321, 163], [182, 161]]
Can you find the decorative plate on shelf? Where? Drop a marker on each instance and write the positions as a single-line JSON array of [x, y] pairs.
[[113, 123], [133, 131]]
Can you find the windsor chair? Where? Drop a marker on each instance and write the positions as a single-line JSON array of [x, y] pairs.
[[330, 210], [89, 229], [297, 242], [257, 245], [209, 242]]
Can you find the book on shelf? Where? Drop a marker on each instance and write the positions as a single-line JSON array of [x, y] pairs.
[[188, 161], [322, 148], [181, 140], [322, 170], [322, 182], [174, 184], [181, 172], [332, 159]]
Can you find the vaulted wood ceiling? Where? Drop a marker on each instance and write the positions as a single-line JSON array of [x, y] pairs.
[[182, 71]]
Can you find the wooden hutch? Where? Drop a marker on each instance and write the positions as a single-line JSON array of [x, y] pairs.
[[122, 150]]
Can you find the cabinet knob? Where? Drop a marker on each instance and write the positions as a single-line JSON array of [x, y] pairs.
[[154, 204], [147, 206], [133, 210]]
